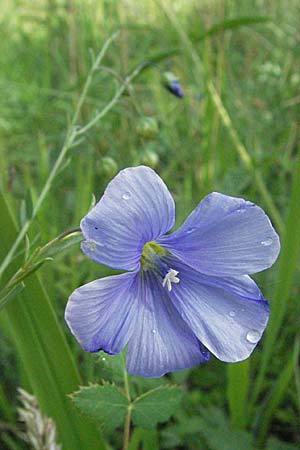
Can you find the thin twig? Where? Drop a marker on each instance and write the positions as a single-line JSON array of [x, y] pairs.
[[73, 132]]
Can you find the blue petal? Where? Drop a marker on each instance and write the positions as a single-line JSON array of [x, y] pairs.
[[227, 315], [225, 236], [161, 341], [136, 208], [102, 314]]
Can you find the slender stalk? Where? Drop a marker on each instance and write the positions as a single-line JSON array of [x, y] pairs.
[[29, 264], [127, 423], [117, 95], [126, 434], [69, 142], [128, 86]]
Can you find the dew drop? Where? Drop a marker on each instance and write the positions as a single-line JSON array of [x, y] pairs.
[[126, 196], [267, 242], [90, 245], [232, 313], [103, 359], [253, 336], [190, 230], [153, 331]]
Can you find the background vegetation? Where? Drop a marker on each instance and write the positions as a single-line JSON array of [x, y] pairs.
[[236, 131]]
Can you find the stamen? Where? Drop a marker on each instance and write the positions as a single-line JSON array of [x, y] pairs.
[[170, 278]]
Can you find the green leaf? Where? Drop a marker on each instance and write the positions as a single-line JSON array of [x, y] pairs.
[[106, 403], [11, 294], [215, 29], [231, 24], [64, 243], [155, 406]]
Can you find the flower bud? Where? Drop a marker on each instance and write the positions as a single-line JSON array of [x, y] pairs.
[[150, 158], [147, 127], [172, 84], [108, 166]]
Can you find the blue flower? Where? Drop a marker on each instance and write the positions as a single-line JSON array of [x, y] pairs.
[[171, 82], [183, 294], [175, 88]]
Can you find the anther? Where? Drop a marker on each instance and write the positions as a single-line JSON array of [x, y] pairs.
[[170, 278]]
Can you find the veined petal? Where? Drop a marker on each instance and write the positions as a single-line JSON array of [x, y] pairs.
[[102, 314], [223, 313], [161, 341], [136, 207], [225, 236]]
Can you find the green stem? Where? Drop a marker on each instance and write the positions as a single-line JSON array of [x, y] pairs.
[[71, 135], [27, 267], [126, 433], [126, 84], [113, 101], [127, 423]]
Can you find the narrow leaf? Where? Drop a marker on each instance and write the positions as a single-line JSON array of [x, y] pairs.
[[288, 263], [237, 392], [215, 29], [50, 368], [63, 244], [11, 294], [275, 398]]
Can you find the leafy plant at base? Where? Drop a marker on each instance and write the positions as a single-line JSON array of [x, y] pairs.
[[108, 405]]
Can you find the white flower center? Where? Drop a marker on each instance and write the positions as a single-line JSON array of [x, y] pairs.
[[170, 278]]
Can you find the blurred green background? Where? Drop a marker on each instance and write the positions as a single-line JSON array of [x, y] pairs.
[[236, 131]]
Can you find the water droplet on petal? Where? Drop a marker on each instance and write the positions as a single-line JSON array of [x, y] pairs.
[[90, 245], [153, 331], [232, 313], [267, 242], [190, 230], [126, 196], [253, 336]]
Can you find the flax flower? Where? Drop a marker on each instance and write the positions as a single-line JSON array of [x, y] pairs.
[[183, 294]]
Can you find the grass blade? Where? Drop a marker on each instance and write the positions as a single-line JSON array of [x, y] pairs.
[[275, 398], [237, 393], [44, 352], [288, 262]]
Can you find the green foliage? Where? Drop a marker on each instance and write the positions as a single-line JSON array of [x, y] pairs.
[[216, 431], [104, 403], [32, 325], [155, 406], [108, 405], [236, 131]]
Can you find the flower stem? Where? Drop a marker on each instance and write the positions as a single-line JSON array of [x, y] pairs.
[[126, 433], [127, 423]]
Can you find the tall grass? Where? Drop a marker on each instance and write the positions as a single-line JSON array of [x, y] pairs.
[[236, 131]]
